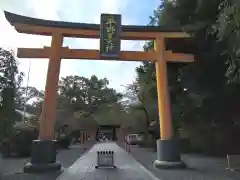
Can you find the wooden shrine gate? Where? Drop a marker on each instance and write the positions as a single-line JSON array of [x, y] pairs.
[[110, 33]]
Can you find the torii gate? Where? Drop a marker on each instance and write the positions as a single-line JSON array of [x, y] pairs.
[[43, 152]]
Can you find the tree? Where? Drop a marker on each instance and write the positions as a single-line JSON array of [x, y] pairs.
[[87, 100], [140, 99], [10, 80], [227, 28], [110, 114], [85, 96], [24, 94], [184, 14]]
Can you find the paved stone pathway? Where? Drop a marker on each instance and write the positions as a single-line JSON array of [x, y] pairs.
[[127, 167]]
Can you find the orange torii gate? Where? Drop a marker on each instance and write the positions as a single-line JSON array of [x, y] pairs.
[[110, 33]]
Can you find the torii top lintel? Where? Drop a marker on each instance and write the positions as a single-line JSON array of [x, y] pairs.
[[24, 24]]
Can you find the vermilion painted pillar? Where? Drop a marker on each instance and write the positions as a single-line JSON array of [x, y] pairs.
[[48, 115], [43, 156], [168, 152], [162, 91]]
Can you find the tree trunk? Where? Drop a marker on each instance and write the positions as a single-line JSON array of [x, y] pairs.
[[147, 116]]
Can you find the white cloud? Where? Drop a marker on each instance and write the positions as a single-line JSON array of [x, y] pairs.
[[75, 11], [10, 39], [46, 9]]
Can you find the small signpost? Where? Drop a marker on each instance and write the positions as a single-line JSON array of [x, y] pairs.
[[233, 161], [110, 40], [105, 159]]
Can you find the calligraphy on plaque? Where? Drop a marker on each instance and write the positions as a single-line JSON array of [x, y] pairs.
[[110, 31]]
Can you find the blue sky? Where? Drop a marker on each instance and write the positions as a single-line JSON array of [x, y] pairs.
[[134, 12]]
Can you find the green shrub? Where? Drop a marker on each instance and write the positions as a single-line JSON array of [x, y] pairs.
[[19, 141], [64, 141]]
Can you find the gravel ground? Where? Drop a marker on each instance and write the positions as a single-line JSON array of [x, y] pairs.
[[11, 168], [199, 167]]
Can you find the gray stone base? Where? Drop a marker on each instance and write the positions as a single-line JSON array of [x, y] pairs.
[[43, 157], [107, 167], [168, 154], [168, 165]]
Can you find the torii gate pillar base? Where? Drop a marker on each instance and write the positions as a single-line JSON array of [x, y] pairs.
[[43, 157], [168, 155]]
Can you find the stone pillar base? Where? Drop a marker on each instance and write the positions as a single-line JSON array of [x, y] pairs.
[[168, 154], [43, 157]]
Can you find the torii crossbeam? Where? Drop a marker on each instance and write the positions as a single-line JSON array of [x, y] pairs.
[[43, 151]]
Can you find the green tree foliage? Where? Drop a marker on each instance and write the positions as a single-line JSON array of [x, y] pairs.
[[85, 102], [139, 93], [89, 98], [10, 80], [85, 94], [110, 114], [227, 28], [25, 94]]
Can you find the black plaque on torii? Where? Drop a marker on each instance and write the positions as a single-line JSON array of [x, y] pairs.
[[110, 40]]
